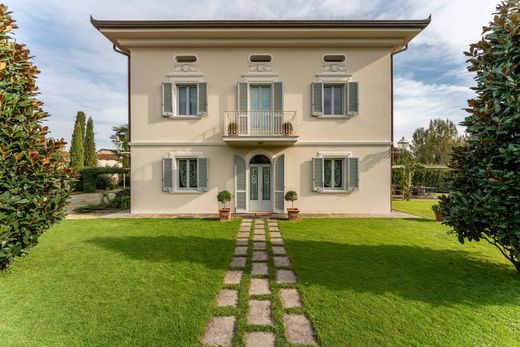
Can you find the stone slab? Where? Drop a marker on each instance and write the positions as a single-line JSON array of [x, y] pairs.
[[275, 234], [244, 229], [239, 262], [240, 250], [259, 269], [285, 276], [233, 277], [298, 329], [259, 237], [219, 331], [259, 286], [277, 242], [260, 339], [259, 232], [259, 312], [227, 298], [278, 250], [290, 297], [282, 261], [242, 242], [243, 235], [259, 245], [259, 256]]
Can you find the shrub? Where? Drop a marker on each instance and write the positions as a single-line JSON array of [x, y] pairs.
[[89, 175], [121, 199], [224, 197], [105, 181], [291, 196], [34, 174]]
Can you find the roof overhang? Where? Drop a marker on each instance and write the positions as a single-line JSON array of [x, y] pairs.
[[390, 34]]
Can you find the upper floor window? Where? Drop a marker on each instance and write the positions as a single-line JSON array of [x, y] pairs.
[[184, 99], [333, 99], [260, 58], [187, 100], [185, 59], [334, 58]]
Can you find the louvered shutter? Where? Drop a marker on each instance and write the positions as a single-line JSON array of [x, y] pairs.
[[242, 96], [277, 96], [167, 99], [317, 99], [167, 174], [202, 95], [240, 184], [202, 172], [353, 98], [353, 173], [279, 183], [317, 174]]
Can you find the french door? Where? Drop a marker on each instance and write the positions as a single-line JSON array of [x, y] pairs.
[[260, 187]]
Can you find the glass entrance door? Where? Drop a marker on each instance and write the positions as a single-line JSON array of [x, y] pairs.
[[260, 188]]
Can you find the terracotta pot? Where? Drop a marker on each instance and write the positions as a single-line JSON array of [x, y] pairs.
[[292, 213], [438, 216], [225, 214], [232, 129]]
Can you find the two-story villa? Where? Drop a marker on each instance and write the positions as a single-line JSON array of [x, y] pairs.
[[259, 108]]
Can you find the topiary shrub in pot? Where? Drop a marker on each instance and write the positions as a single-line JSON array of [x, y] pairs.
[[292, 213], [437, 211], [225, 212]]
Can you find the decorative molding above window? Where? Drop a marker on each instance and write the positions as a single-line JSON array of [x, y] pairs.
[[333, 69], [260, 71], [185, 69]]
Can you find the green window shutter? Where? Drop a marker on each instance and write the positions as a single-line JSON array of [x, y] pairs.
[[353, 98], [240, 184], [278, 96], [279, 183], [167, 99], [317, 99], [202, 172], [353, 173], [242, 91], [202, 98], [167, 174], [317, 174]]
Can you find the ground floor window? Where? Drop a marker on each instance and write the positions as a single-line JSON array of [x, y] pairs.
[[333, 173], [187, 173]]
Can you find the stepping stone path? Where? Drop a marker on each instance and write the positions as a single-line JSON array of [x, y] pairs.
[[260, 273]]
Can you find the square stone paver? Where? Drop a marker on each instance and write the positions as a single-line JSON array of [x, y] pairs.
[[259, 269], [244, 229], [259, 286], [259, 245], [285, 276], [259, 232], [259, 256], [243, 235], [227, 298], [277, 242], [259, 312], [219, 331], [275, 234], [233, 277], [259, 237], [279, 250], [282, 262], [240, 250], [242, 242], [239, 262], [260, 339], [298, 329], [290, 298]]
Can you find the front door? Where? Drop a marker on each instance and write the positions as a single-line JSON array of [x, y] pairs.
[[260, 187]]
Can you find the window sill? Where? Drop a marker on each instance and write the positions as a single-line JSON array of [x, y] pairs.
[[187, 191], [334, 191], [334, 117], [186, 117]]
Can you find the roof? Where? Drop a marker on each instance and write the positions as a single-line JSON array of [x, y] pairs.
[[103, 156], [391, 34]]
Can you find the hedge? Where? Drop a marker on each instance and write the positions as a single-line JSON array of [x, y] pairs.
[[437, 178], [88, 176]]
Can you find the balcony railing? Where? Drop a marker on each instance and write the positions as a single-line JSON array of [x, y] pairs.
[[260, 123]]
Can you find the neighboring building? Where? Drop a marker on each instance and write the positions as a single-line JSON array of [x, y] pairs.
[[259, 108], [108, 157]]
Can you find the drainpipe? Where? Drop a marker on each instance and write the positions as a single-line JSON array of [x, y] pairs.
[[117, 50]]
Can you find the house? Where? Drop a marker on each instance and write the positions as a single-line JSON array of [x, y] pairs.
[[259, 108], [108, 157]]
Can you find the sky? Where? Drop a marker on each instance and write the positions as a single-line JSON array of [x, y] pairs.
[[80, 71]]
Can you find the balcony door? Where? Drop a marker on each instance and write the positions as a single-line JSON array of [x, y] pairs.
[[260, 184], [261, 104]]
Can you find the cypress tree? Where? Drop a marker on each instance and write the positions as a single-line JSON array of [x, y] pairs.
[[90, 145], [77, 150]]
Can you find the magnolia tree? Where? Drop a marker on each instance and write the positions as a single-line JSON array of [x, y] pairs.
[[484, 203], [34, 174]]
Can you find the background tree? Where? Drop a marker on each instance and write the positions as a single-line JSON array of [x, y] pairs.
[[434, 144], [485, 199], [77, 146], [90, 145], [34, 174], [120, 140]]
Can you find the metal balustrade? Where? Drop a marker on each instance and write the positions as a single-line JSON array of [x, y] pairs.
[[260, 123]]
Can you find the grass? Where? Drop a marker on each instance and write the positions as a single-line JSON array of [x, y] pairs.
[[104, 282], [398, 282], [421, 208]]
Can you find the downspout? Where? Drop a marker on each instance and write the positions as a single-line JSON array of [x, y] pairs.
[[117, 50]]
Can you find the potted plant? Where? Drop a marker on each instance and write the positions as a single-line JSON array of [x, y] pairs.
[[287, 128], [225, 212], [437, 210], [292, 212], [232, 129]]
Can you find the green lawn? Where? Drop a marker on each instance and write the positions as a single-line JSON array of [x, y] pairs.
[[397, 282], [107, 282], [421, 208]]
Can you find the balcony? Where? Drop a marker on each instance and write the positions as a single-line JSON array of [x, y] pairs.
[[270, 128]]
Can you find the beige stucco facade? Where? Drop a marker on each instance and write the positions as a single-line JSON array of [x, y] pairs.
[[367, 135]]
